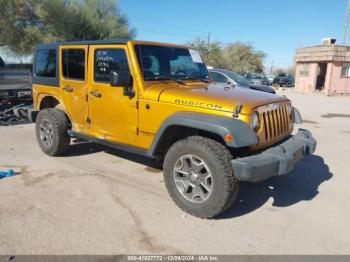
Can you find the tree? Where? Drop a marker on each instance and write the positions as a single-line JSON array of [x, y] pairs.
[[211, 54], [20, 28], [278, 71], [238, 56], [242, 58], [290, 71], [24, 23]]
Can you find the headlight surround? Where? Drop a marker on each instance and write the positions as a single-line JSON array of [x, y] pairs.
[[290, 110], [255, 121]]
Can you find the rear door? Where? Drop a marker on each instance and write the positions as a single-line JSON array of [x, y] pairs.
[[113, 115], [73, 82]]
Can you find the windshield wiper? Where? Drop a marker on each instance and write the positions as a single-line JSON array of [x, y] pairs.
[[165, 78], [195, 78]]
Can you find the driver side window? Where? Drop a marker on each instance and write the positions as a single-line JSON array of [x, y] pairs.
[[217, 77], [107, 60]]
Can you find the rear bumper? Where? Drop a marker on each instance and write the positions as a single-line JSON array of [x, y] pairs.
[[19, 94], [275, 161]]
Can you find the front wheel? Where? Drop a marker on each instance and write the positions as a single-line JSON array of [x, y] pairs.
[[52, 131], [199, 176]]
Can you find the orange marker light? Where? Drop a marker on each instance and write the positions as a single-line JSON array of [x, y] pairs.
[[228, 137]]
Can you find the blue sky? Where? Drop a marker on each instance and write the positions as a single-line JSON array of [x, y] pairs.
[[276, 27]]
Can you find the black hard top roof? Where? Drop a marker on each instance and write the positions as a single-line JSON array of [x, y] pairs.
[[87, 42]]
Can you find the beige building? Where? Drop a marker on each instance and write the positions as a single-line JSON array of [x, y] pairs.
[[324, 68]]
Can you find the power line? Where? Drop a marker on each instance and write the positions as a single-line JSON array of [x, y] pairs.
[[168, 32], [185, 28]]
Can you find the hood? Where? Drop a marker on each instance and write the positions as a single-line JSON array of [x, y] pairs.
[[210, 96]]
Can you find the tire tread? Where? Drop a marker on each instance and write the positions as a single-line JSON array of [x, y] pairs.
[[221, 154], [60, 124]]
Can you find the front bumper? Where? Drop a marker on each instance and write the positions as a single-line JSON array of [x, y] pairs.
[[275, 161]]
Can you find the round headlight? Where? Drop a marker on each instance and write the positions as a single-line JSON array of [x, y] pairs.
[[254, 121]]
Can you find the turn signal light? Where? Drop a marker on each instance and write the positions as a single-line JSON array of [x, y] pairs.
[[228, 137]]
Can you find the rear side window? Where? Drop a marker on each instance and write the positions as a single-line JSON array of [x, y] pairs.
[[107, 60], [45, 64], [73, 64]]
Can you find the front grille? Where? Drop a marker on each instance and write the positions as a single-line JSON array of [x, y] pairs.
[[276, 122]]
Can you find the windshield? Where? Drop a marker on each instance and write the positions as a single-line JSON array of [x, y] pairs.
[[237, 78], [165, 62]]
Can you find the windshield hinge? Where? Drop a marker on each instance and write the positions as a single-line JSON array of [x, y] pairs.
[[237, 110]]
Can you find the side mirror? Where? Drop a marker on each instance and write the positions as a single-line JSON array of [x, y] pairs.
[[120, 78]]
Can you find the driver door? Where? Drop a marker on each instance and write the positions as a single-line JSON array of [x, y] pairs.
[[112, 115]]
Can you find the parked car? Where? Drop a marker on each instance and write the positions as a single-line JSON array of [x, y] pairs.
[[283, 80], [258, 80], [2, 63], [154, 99], [270, 78], [15, 82], [236, 80]]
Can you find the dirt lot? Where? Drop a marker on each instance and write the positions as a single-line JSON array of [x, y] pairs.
[[96, 201]]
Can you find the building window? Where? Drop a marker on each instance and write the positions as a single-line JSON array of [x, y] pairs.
[[45, 63], [304, 69], [345, 70], [73, 64], [107, 60]]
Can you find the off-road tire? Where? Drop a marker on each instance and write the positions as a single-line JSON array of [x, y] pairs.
[[218, 159], [60, 126]]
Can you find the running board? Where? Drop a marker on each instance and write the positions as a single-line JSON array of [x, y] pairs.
[[118, 146]]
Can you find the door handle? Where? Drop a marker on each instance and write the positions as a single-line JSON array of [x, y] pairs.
[[95, 94], [68, 89]]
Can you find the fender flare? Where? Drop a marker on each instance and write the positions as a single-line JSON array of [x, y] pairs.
[[33, 113], [43, 95], [242, 133]]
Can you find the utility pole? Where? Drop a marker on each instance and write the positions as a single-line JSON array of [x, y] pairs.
[[208, 47], [271, 67], [346, 23]]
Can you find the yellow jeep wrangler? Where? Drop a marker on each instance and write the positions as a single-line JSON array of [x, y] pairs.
[[158, 100]]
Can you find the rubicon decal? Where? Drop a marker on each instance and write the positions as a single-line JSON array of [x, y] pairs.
[[198, 104]]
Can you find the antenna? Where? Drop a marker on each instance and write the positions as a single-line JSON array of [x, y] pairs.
[[346, 23]]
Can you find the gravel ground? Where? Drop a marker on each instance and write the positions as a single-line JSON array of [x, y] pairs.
[[95, 200]]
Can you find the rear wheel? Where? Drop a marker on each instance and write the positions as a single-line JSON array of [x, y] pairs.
[[52, 127], [199, 176]]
